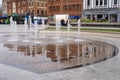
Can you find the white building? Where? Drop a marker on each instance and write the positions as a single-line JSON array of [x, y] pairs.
[[101, 9]]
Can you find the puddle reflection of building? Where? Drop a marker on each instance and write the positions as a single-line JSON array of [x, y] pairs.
[[77, 53]]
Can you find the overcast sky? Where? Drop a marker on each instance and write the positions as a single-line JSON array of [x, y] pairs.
[[0, 1]]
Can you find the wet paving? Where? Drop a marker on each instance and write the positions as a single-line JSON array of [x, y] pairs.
[[49, 53]]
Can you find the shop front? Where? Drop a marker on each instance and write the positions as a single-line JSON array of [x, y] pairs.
[[74, 20], [102, 15]]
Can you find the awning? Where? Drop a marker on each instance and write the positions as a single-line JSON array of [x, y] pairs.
[[14, 15], [1, 17], [5, 16], [74, 17]]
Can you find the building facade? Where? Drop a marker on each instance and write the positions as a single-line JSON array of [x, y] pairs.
[[38, 7], [4, 5], [71, 7], [1, 10], [98, 10], [14, 6]]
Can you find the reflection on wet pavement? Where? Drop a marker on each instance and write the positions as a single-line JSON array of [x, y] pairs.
[[53, 56]]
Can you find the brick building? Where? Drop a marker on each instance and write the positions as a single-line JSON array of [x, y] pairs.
[[38, 7], [14, 6], [4, 5], [71, 7]]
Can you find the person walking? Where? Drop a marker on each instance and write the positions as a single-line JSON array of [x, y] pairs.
[[32, 17], [28, 22]]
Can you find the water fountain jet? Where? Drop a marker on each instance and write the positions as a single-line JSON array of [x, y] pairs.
[[79, 33], [13, 25]]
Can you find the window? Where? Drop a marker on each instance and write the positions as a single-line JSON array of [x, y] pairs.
[[32, 3], [115, 1], [18, 10], [37, 12], [78, 6], [101, 2], [88, 2], [38, 4], [105, 2], [19, 4], [42, 4], [45, 12], [42, 12], [14, 7], [96, 2], [9, 5], [29, 3], [32, 11], [29, 11]]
